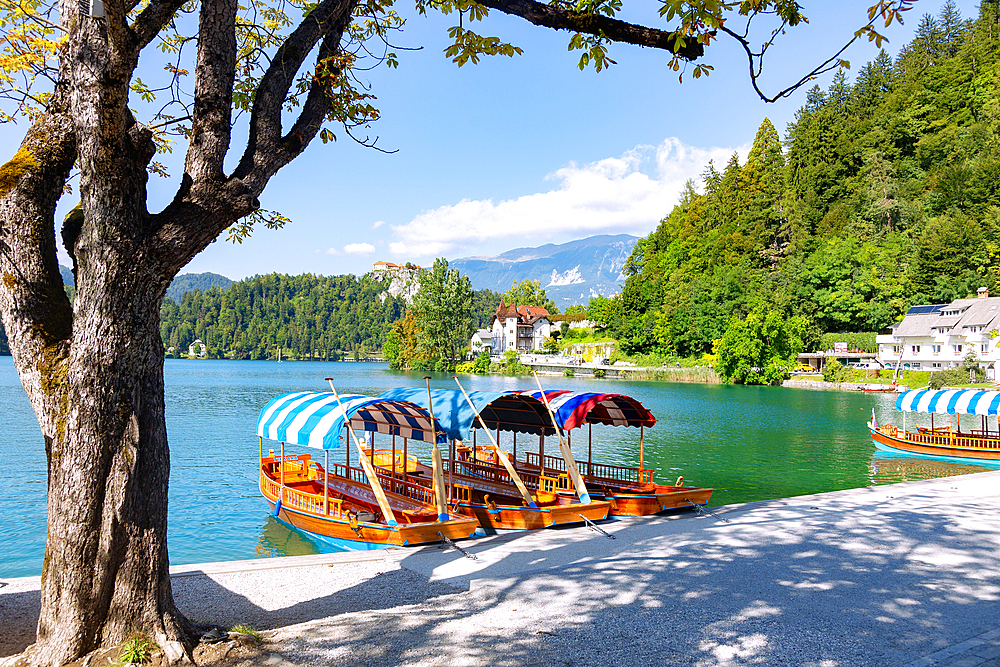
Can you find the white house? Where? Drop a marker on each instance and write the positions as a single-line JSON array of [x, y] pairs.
[[197, 348], [521, 328], [481, 340], [939, 336]]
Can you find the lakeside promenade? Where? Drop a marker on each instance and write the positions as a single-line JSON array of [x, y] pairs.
[[901, 575]]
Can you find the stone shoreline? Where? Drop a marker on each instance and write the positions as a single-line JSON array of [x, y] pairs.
[[902, 575]]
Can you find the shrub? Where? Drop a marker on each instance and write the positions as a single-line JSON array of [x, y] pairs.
[[482, 363], [599, 373], [834, 371], [952, 377], [511, 364], [568, 372]]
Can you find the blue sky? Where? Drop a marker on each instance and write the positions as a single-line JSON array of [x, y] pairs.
[[522, 151]]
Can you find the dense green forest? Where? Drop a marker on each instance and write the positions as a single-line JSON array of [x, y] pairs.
[[309, 317], [884, 193]]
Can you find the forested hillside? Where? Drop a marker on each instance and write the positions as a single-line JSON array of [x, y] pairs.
[[309, 317], [885, 192], [192, 281]]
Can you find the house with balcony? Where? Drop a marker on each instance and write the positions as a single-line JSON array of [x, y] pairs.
[[940, 336], [520, 328]]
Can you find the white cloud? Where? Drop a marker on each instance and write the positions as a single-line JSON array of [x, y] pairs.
[[627, 194], [332, 251], [378, 223], [359, 249]]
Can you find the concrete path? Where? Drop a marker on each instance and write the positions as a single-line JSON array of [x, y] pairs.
[[905, 575]]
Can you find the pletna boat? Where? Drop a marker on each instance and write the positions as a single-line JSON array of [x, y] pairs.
[[502, 498], [948, 440], [341, 503], [631, 490]]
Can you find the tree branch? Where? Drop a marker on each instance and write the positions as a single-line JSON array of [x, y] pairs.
[[152, 19], [37, 315], [215, 73], [266, 149], [550, 16]]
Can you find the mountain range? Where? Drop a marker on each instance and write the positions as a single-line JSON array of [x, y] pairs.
[[181, 284], [570, 273]]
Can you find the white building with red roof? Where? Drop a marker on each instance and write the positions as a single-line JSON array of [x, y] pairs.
[[520, 328]]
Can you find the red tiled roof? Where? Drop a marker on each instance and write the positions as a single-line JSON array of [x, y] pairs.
[[524, 314]]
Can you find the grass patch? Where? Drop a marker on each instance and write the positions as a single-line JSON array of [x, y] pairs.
[[244, 629], [579, 335], [136, 651]]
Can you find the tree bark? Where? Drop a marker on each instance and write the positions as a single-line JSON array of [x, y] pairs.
[[93, 370]]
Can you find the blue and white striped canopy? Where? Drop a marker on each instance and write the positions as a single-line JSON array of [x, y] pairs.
[[950, 401], [314, 419]]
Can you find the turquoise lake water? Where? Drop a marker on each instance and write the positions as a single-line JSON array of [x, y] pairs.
[[749, 443]]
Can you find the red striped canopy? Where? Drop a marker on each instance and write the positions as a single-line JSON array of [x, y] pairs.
[[576, 408]]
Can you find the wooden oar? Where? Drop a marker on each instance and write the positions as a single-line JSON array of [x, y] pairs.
[[436, 464], [383, 502], [571, 469], [501, 454]]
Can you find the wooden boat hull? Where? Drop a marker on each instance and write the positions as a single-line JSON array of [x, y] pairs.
[[949, 445], [330, 517], [510, 517], [375, 535], [662, 499], [636, 496]]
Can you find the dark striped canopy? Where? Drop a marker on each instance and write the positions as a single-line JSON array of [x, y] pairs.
[[315, 419]]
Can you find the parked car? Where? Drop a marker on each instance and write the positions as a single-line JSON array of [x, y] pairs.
[[605, 362]]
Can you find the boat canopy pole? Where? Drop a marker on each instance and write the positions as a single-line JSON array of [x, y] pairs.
[[383, 502], [436, 463], [541, 454], [502, 455], [326, 482], [574, 473], [640, 451], [590, 448]]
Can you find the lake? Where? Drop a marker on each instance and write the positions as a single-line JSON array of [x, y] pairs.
[[749, 443]]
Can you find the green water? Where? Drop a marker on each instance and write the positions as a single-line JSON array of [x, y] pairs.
[[749, 443]]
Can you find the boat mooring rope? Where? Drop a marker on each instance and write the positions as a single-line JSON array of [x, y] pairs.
[[594, 526], [446, 542], [701, 509]]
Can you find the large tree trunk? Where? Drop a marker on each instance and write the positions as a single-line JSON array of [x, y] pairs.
[[93, 371], [106, 570], [105, 573]]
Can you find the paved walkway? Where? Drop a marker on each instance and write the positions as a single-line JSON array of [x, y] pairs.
[[905, 575]]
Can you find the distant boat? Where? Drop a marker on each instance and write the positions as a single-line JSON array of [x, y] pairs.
[[982, 443]]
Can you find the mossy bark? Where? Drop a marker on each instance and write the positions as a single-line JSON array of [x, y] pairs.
[[93, 370]]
